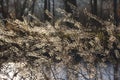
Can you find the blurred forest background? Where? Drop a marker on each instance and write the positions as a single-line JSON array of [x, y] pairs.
[[59, 39], [105, 9]]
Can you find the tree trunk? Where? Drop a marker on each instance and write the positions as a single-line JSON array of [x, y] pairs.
[[91, 3], [16, 7], [4, 9], [46, 7], [94, 11], [115, 12], [68, 6], [33, 7], [95, 7], [23, 8], [2, 6], [53, 12], [101, 4], [7, 8]]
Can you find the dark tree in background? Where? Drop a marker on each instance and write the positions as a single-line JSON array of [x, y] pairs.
[[46, 8], [7, 7], [94, 7], [68, 6], [101, 4], [53, 12], [23, 8], [91, 3], [94, 10], [17, 9], [1, 7], [115, 12], [4, 9], [20, 8], [33, 7]]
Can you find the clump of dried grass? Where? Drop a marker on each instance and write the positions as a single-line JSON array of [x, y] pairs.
[[54, 43]]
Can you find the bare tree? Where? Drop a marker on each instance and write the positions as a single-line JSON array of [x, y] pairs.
[[33, 7], [115, 12], [46, 9], [4, 9], [23, 8], [94, 6], [20, 8], [1, 6], [101, 4], [53, 11]]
